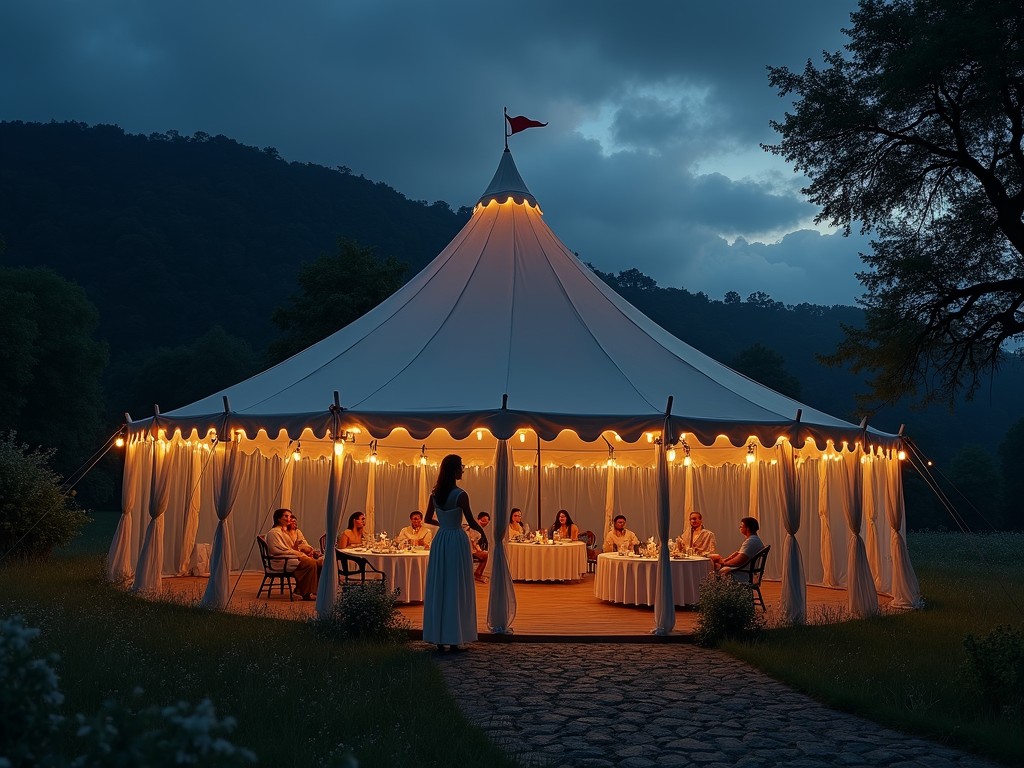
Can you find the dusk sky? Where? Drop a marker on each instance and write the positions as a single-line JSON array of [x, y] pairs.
[[650, 159]]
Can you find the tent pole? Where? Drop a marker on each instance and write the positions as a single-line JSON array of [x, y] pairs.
[[539, 524]]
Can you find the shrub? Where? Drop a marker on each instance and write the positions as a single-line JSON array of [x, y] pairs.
[[725, 610], [35, 514], [30, 698], [157, 736], [365, 612], [995, 666]]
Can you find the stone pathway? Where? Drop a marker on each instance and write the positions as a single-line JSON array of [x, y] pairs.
[[640, 705]]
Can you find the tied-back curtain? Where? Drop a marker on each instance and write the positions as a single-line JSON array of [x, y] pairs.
[[664, 603], [371, 501], [906, 591], [609, 506], [501, 603], [226, 480], [423, 496], [871, 524], [794, 585], [151, 559], [338, 492], [860, 587], [119, 563]]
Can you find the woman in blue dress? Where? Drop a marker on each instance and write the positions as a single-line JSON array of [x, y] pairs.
[[449, 604]]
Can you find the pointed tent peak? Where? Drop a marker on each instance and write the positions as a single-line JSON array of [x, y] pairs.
[[507, 183]]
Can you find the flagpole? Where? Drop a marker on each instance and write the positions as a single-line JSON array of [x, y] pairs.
[[505, 128]]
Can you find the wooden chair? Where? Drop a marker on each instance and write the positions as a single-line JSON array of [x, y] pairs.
[[356, 571], [590, 539], [755, 570], [275, 568]]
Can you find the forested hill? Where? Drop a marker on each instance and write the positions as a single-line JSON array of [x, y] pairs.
[[171, 234]]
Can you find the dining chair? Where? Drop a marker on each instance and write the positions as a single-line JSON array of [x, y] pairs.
[[755, 570], [275, 569], [589, 538], [356, 571]]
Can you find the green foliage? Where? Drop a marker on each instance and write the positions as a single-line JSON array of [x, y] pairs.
[[726, 611], [335, 290], [51, 362], [366, 612], [36, 516], [767, 367], [214, 361], [30, 697], [974, 486], [914, 132], [995, 666], [1013, 479]]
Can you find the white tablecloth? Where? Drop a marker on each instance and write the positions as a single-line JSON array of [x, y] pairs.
[[547, 562], [405, 570], [634, 580]]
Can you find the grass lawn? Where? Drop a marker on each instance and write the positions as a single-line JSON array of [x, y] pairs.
[[298, 699], [905, 670]]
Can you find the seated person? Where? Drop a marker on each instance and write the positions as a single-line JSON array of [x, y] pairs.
[[305, 568], [516, 526], [479, 546], [697, 537], [566, 529], [416, 533], [353, 535], [751, 545], [620, 537], [299, 540]]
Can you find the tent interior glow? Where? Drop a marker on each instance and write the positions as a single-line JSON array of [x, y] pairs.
[[507, 342]]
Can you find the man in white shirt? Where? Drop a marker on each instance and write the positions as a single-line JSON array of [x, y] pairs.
[[416, 533], [697, 537], [620, 536], [305, 568]]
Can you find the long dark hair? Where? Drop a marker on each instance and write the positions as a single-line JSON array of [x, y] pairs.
[[568, 521], [447, 476], [352, 520]]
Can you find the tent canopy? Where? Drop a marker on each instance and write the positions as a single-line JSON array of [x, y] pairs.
[[506, 329]]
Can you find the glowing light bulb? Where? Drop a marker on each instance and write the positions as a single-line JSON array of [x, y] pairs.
[[687, 461], [373, 458], [119, 442], [339, 448], [522, 437], [649, 436], [750, 458], [296, 456], [423, 461], [902, 455], [479, 434], [671, 454]]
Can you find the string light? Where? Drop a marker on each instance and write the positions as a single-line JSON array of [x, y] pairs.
[[522, 436], [297, 453], [751, 452], [373, 452], [687, 461], [479, 434], [423, 455]]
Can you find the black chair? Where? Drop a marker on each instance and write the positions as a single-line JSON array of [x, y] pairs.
[[357, 571], [275, 568], [755, 570], [590, 539]]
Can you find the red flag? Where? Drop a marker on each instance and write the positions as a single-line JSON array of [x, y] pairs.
[[520, 123]]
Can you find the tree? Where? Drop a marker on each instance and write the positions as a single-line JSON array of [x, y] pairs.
[[916, 133], [1013, 478], [767, 367], [335, 290], [976, 490], [731, 297], [50, 378]]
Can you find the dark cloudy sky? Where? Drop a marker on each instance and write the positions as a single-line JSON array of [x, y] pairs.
[[656, 110]]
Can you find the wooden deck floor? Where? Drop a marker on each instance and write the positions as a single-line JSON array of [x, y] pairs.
[[544, 611]]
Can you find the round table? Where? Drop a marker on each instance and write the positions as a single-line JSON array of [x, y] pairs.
[[566, 561], [406, 570], [634, 580]]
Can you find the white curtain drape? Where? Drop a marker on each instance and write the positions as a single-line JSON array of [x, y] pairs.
[[793, 600], [827, 566], [225, 488], [191, 506], [609, 506], [119, 556], [501, 603], [338, 491], [371, 501], [906, 591], [862, 599], [664, 603], [151, 559]]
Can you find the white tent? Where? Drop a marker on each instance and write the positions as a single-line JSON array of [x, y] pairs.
[[508, 350]]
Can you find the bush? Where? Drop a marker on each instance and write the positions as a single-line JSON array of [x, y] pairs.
[[36, 516], [34, 733], [30, 698], [365, 612], [995, 666], [726, 610]]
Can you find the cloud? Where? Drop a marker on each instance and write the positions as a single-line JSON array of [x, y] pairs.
[[650, 159]]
